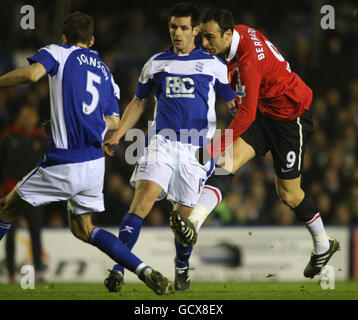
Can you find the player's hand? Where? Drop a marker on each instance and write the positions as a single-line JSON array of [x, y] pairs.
[[233, 106], [46, 128], [202, 155], [110, 141]]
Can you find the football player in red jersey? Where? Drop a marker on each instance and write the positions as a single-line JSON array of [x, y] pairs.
[[273, 114]]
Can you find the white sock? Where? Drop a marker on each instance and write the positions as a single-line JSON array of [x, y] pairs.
[[210, 197], [319, 236]]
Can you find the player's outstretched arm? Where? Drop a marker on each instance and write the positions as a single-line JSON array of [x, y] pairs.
[[23, 75], [112, 122], [130, 117]]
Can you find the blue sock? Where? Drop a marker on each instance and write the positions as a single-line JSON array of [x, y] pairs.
[[113, 247], [4, 228], [128, 233], [182, 255]]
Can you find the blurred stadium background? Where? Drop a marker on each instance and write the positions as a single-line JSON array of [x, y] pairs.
[[262, 238]]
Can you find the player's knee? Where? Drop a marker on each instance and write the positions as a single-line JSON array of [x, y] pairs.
[[291, 199], [80, 232], [146, 193], [11, 206], [80, 225]]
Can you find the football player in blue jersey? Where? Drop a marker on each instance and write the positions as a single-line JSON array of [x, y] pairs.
[[185, 78], [84, 106]]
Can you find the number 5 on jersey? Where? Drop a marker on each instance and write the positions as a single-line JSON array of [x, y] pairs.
[[92, 89]]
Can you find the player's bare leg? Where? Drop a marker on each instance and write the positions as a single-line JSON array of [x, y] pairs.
[[11, 206], [184, 210], [146, 193], [81, 225], [234, 157], [82, 228], [291, 193], [184, 226]]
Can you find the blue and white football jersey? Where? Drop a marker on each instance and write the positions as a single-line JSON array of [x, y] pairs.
[[82, 92], [185, 88]]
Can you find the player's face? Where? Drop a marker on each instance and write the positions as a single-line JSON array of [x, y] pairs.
[[213, 41], [182, 34]]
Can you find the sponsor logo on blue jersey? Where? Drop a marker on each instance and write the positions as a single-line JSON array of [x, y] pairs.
[[180, 87]]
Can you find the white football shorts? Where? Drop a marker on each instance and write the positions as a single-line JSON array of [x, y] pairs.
[[172, 165], [80, 184]]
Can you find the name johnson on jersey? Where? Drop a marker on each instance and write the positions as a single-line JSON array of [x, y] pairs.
[[92, 61]]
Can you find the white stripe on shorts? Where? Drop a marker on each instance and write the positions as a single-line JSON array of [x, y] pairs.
[[301, 143]]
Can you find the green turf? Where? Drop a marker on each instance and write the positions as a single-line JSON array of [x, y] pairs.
[[347, 290]]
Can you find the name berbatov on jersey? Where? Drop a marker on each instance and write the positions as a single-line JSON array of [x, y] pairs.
[[263, 81], [257, 43]]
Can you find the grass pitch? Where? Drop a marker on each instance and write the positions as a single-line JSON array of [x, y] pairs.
[[310, 290]]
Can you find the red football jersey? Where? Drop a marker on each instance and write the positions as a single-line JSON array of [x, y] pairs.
[[262, 79]]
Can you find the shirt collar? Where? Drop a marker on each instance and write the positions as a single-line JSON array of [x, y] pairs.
[[234, 44], [197, 48]]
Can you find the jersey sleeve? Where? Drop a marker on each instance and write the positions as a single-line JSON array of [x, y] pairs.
[[222, 83], [48, 57], [112, 108], [246, 113], [145, 81]]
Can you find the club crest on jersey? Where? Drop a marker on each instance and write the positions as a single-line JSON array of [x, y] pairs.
[[177, 87], [199, 66]]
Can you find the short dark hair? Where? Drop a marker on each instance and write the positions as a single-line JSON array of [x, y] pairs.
[[186, 9], [222, 17], [78, 27]]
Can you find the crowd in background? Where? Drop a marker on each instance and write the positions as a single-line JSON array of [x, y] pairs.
[[125, 37]]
